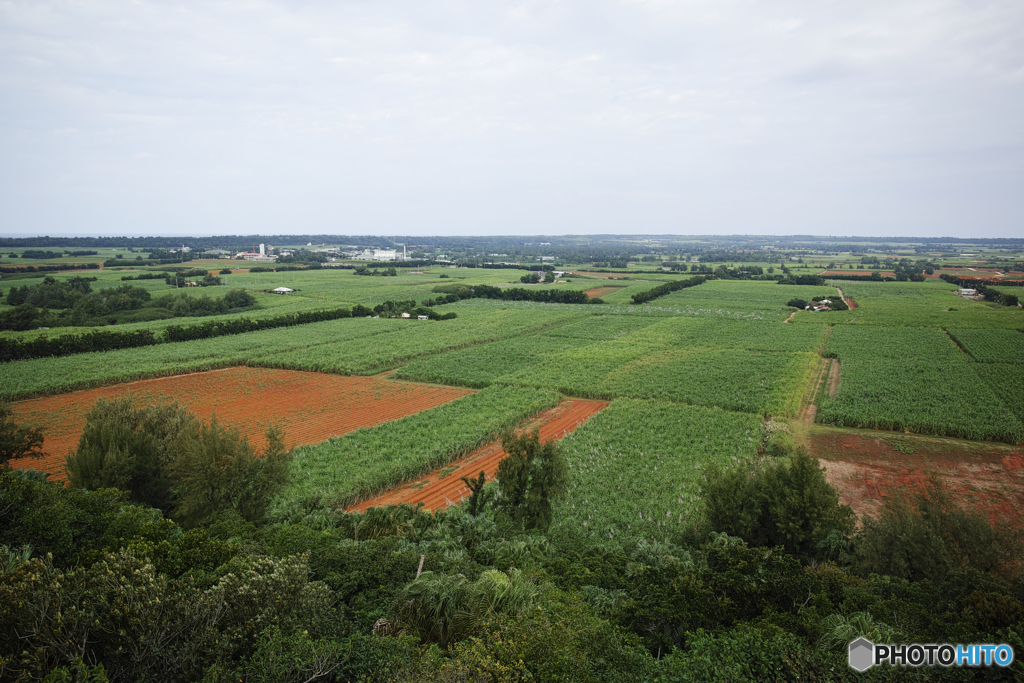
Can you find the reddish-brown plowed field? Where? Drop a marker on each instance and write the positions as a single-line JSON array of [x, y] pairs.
[[444, 487], [601, 291], [311, 407], [867, 470]]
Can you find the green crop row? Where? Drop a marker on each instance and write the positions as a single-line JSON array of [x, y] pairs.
[[1007, 382], [746, 381], [415, 339], [52, 375], [482, 364], [921, 396], [643, 364], [992, 346], [682, 332], [341, 472], [925, 344], [636, 467]]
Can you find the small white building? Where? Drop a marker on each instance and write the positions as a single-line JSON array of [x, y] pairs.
[[282, 290], [967, 292]]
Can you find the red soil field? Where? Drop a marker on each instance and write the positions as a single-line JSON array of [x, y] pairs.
[[601, 291], [868, 470], [311, 407], [444, 487]]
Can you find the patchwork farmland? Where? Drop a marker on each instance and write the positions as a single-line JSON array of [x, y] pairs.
[[735, 473], [716, 353]]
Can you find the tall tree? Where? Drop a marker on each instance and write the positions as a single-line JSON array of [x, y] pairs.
[[216, 470], [129, 448], [530, 478]]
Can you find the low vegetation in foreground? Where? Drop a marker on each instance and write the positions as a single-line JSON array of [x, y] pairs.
[[164, 561]]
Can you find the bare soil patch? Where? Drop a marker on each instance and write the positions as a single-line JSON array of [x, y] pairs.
[[311, 407], [833, 377], [868, 468], [444, 487], [601, 291]]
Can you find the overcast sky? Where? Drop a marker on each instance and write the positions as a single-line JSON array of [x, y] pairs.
[[418, 117]]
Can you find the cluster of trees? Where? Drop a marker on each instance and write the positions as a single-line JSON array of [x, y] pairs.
[[537, 276], [183, 277], [835, 302], [387, 272], [815, 280], [304, 256], [667, 288], [984, 288], [395, 309], [41, 254], [98, 584], [58, 303]]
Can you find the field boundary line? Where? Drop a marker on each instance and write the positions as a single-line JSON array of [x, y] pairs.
[[442, 487]]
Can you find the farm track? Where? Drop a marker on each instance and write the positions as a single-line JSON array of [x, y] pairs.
[[833, 377], [849, 302], [311, 407], [444, 487], [808, 401]]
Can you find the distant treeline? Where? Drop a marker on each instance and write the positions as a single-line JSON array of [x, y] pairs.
[[667, 288], [220, 328], [866, 277], [814, 280], [48, 268], [68, 344], [975, 283], [984, 288], [546, 296]]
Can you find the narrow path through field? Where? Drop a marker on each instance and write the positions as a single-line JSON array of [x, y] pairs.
[[849, 302], [444, 487], [790, 316], [833, 378], [811, 392]]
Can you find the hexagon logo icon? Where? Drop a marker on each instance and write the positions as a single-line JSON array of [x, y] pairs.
[[861, 654]]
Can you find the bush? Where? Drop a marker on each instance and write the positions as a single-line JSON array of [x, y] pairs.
[[784, 502], [926, 535], [15, 441], [129, 448], [531, 476], [216, 470]]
